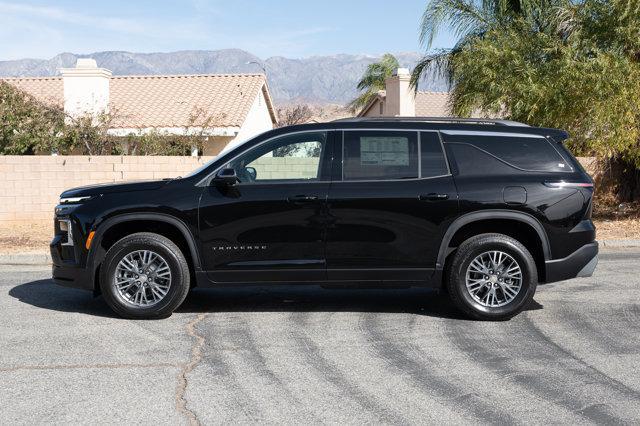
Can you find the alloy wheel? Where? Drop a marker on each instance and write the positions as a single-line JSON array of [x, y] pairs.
[[494, 279], [142, 278]]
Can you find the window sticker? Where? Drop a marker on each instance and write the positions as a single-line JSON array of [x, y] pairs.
[[384, 151]]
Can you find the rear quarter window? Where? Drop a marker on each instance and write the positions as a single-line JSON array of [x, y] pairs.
[[524, 152]]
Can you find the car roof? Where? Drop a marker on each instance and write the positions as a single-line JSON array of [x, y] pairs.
[[430, 123], [444, 120]]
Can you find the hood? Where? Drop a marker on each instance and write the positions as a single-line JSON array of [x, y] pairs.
[[108, 188]]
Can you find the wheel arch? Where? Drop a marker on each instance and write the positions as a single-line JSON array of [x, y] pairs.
[[97, 252], [487, 216]]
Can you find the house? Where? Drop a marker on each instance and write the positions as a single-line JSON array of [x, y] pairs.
[[399, 99], [225, 109]]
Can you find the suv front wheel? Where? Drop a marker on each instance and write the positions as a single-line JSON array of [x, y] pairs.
[[144, 276], [492, 277]]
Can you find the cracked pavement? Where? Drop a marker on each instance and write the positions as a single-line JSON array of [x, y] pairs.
[[307, 355]]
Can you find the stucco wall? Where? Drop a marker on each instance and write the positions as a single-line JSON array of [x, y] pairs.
[[258, 121], [86, 89], [400, 98], [31, 185], [213, 145], [374, 110]]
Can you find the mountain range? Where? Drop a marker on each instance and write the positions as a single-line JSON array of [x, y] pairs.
[[316, 80]]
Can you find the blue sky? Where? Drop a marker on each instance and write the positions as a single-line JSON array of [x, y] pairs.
[[291, 28]]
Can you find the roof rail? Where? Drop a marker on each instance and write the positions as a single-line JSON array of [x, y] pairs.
[[455, 120]]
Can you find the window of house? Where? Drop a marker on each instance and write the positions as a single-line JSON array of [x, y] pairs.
[[380, 155], [292, 157]]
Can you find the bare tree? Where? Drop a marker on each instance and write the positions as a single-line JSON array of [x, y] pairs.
[[297, 114]]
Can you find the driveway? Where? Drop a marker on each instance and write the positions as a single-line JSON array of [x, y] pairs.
[[308, 355]]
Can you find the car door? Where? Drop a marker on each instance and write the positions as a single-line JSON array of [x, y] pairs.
[[270, 225], [390, 203]]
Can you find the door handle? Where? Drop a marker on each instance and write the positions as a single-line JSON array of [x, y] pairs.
[[302, 198], [433, 197]]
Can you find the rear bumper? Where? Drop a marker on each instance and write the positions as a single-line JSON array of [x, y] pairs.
[[580, 263]]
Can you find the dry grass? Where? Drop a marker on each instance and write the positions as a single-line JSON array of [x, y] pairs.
[[606, 207], [615, 220], [29, 237], [621, 229]]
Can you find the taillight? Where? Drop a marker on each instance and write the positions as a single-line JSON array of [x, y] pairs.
[[563, 184]]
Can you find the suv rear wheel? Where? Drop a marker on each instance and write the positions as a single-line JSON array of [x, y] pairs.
[[144, 276], [492, 277]]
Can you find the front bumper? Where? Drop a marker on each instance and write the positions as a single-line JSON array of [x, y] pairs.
[[66, 270], [69, 276], [580, 263]]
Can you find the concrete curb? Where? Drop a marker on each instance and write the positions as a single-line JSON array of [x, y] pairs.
[[619, 243], [42, 258], [36, 258]]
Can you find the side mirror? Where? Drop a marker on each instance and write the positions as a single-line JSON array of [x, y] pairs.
[[252, 173], [227, 177]]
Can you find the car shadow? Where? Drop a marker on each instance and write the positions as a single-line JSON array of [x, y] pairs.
[[286, 298], [46, 294]]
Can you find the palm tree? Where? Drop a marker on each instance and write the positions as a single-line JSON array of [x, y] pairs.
[[470, 20], [373, 80]]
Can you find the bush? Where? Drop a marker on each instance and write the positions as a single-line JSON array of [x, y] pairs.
[[28, 126]]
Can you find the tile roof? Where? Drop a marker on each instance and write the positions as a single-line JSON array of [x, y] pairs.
[[428, 104], [46, 89], [432, 104], [168, 100]]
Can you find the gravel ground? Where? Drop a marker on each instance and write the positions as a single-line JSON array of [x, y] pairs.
[[306, 355]]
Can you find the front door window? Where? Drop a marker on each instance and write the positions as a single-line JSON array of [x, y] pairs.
[[295, 158]]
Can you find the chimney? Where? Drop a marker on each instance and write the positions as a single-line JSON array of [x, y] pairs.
[[86, 89], [401, 98]]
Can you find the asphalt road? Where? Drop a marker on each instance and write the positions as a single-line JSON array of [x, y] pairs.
[[307, 355]]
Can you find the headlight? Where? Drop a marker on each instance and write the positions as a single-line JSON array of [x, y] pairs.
[[74, 200], [65, 226]]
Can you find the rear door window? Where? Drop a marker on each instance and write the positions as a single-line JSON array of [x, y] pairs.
[[524, 152], [380, 155]]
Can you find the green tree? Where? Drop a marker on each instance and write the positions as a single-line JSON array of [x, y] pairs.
[[373, 80], [568, 64], [474, 20]]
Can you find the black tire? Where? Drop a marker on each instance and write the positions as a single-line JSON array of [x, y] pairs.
[[179, 283], [457, 274]]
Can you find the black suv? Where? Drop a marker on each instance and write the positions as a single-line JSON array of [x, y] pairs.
[[483, 209]]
